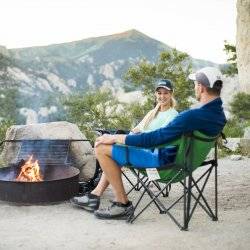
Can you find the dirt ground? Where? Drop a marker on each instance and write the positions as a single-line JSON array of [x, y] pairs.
[[62, 226]]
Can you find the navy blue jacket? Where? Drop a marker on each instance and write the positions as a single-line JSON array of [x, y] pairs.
[[208, 119]]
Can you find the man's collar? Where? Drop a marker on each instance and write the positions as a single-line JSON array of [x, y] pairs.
[[212, 102]]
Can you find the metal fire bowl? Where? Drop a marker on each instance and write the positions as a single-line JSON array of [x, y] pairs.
[[60, 184]]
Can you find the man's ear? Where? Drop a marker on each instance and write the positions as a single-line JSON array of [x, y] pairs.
[[203, 88]]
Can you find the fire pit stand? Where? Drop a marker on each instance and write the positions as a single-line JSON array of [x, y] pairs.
[[60, 178]]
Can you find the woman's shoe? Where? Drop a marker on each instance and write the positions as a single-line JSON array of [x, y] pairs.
[[88, 201]]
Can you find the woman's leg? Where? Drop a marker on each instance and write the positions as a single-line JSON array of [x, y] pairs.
[[112, 172], [101, 186]]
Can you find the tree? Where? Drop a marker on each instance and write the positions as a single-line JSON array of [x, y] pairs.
[[10, 100], [5, 79], [240, 106], [4, 125], [240, 109], [173, 65], [231, 68], [100, 109], [93, 110], [10, 103]]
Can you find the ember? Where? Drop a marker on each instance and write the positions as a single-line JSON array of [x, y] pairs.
[[30, 171]]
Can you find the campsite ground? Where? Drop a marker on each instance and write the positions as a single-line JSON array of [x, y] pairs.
[[62, 226]]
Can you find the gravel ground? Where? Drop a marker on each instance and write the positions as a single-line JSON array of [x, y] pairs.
[[62, 226]]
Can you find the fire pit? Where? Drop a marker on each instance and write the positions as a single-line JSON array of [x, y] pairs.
[[43, 173]]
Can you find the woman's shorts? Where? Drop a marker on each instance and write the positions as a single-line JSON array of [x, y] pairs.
[[143, 157]]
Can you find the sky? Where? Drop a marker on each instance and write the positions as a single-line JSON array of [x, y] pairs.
[[198, 27]]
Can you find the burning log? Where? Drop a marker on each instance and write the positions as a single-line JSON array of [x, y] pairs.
[[30, 171], [18, 166]]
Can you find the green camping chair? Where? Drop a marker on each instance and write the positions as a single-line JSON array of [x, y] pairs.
[[192, 151]]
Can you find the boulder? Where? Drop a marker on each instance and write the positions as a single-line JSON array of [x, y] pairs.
[[233, 143], [245, 142], [81, 152], [247, 133], [236, 157]]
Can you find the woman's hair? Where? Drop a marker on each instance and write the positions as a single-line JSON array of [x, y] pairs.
[[153, 113], [173, 102]]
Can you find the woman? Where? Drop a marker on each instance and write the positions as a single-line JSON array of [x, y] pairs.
[[163, 113]]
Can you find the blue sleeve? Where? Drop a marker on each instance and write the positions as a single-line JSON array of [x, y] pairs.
[[174, 129]]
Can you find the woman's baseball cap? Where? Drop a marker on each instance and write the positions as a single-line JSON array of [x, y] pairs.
[[164, 83]]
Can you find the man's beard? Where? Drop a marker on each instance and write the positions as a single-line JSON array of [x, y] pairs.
[[198, 97]]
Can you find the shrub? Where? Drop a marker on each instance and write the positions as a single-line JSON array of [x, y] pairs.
[[240, 106], [234, 128]]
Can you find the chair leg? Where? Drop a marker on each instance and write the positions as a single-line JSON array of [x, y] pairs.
[[167, 190], [215, 218], [206, 206], [156, 201], [137, 184], [186, 202], [184, 206], [188, 194], [189, 184]]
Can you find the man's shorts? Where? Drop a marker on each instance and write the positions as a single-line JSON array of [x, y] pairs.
[[143, 157]]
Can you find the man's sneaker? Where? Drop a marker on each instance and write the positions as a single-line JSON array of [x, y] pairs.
[[88, 201], [116, 211]]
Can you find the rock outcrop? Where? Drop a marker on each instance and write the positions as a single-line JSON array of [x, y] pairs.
[[81, 153], [4, 50], [243, 44], [245, 141]]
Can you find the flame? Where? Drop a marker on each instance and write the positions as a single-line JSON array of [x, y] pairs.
[[30, 171]]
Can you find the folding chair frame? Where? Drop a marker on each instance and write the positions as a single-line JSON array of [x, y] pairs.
[[137, 186], [189, 185]]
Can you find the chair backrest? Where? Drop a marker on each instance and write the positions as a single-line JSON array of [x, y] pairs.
[[192, 151]]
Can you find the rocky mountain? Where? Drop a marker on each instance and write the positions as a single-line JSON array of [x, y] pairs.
[[46, 72]]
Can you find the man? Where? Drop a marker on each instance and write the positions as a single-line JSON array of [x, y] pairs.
[[209, 119]]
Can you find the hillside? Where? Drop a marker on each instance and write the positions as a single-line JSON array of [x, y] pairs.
[[46, 72]]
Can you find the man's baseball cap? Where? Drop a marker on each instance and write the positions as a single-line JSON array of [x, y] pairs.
[[206, 76], [164, 83]]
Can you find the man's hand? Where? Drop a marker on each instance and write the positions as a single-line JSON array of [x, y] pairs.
[[109, 139], [105, 139]]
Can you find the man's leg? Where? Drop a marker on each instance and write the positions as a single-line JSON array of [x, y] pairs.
[[112, 171]]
